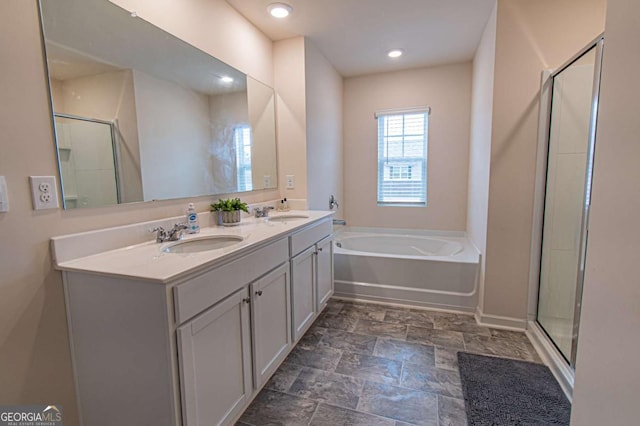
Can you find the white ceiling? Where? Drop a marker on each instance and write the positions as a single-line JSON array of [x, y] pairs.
[[355, 35]]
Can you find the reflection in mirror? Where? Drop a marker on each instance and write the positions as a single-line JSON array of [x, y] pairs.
[[141, 115], [88, 169]]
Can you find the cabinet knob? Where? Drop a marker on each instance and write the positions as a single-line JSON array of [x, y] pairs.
[[259, 292], [319, 248], [247, 300]]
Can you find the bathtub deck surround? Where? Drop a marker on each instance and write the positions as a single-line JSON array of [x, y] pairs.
[[376, 364], [436, 269], [189, 331]]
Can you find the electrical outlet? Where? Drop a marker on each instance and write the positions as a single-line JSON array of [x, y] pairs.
[[43, 192], [44, 187], [291, 183], [266, 181]]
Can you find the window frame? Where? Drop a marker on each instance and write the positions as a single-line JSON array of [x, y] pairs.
[[403, 162], [241, 135]]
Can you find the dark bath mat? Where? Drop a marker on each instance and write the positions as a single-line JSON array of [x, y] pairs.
[[500, 391]]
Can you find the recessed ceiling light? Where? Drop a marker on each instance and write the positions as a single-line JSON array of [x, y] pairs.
[[395, 53], [226, 79], [279, 10]]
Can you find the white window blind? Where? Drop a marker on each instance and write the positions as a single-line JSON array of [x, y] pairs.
[[402, 157], [242, 138]]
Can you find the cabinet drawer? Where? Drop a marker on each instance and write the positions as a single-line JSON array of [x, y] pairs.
[[204, 291], [309, 236]]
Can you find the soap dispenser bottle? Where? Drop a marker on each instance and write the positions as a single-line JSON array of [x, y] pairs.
[[193, 227]]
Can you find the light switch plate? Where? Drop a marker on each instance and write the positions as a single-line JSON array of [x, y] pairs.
[[4, 195], [291, 183], [43, 192]]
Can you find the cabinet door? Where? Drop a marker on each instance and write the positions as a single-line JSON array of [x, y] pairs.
[[324, 275], [215, 362], [303, 291], [271, 318]]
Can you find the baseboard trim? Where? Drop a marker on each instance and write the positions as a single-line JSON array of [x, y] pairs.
[[563, 373], [496, 321]]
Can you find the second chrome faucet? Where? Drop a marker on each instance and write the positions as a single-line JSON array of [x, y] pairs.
[[262, 212]]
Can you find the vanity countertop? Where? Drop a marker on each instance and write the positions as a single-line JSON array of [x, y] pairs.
[[148, 261]]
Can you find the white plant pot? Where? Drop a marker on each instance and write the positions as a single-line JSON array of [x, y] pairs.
[[229, 218]]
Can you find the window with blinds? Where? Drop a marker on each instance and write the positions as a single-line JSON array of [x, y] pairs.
[[242, 139], [402, 158]]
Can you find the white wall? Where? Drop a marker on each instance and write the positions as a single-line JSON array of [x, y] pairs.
[[530, 36], [289, 78], [226, 112], [324, 129], [174, 133], [110, 97], [262, 116], [447, 89], [607, 382], [480, 143], [309, 122], [35, 363]]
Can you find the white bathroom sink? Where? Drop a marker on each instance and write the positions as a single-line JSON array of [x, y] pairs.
[[286, 218], [197, 245]]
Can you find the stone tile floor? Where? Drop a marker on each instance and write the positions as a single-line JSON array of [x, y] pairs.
[[367, 364]]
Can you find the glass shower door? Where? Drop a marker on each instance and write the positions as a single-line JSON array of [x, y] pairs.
[[87, 158], [567, 199]]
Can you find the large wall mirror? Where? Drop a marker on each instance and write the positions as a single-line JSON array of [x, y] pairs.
[[141, 115]]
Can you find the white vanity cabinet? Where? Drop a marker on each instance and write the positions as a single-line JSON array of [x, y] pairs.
[[231, 349], [195, 348], [271, 321], [303, 273], [123, 348], [324, 276], [215, 362], [311, 275]]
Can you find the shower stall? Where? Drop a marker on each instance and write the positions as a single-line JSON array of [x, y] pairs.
[[568, 117], [88, 161]]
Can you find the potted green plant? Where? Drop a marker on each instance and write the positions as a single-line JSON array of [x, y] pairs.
[[229, 211]]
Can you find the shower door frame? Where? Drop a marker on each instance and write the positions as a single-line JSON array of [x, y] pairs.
[[561, 367], [114, 147]]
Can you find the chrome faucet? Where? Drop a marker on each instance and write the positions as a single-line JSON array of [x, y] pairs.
[[333, 202], [262, 212], [177, 232], [174, 234]]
